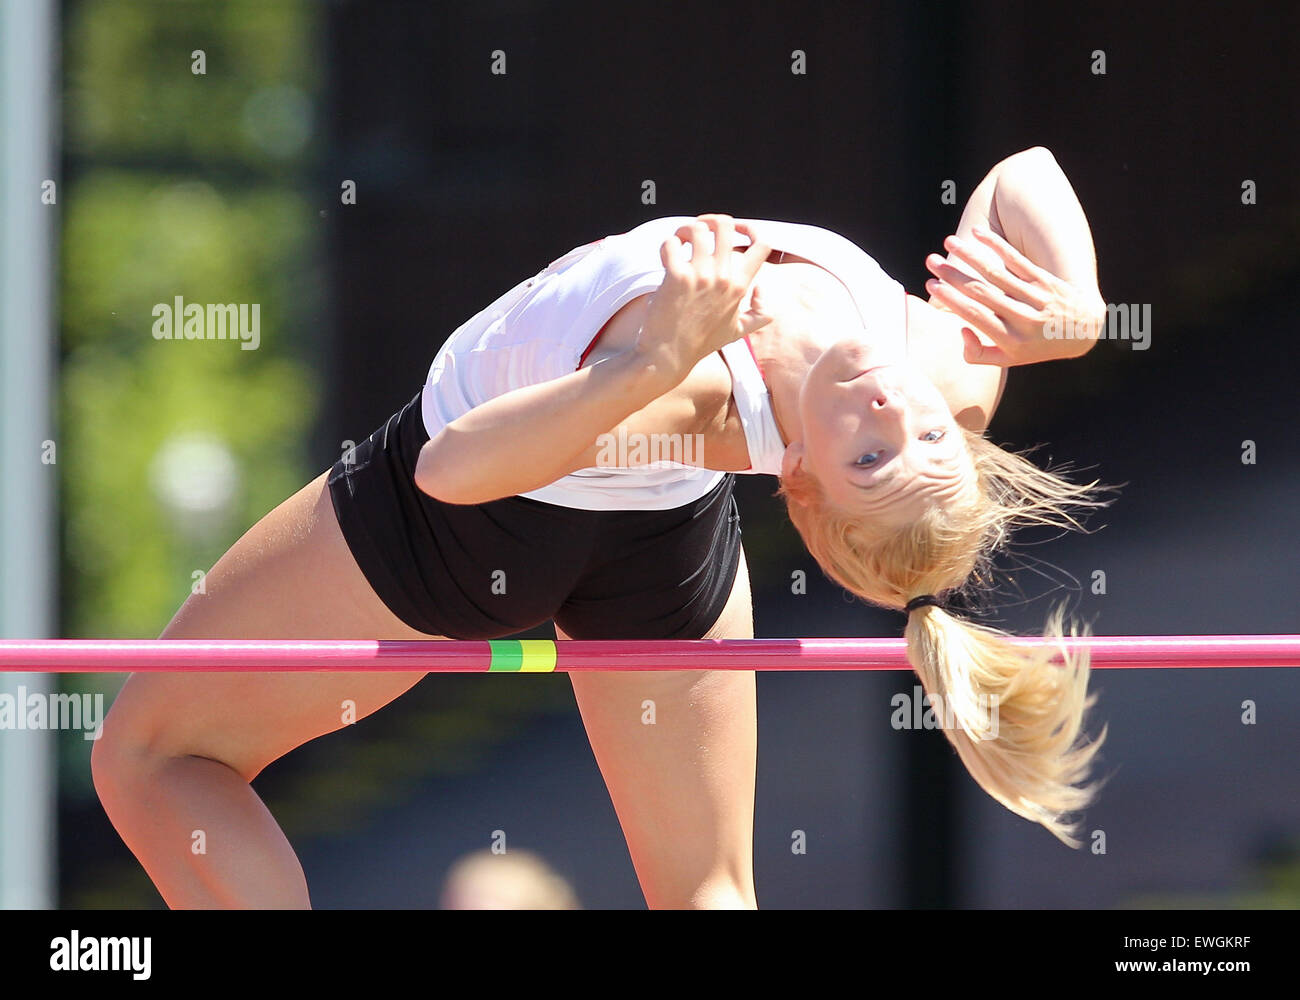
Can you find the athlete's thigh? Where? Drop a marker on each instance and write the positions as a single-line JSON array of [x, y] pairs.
[[291, 576], [678, 753]]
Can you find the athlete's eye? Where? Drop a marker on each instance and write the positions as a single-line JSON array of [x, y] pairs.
[[937, 434], [868, 460]]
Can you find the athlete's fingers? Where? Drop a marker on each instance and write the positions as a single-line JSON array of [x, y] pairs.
[[688, 235], [674, 256], [724, 239], [751, 324], [756, 316], [975, 313], [1016, 262], [995, 271], [985, 291], [697, 234], [755, 254], [976, 352]]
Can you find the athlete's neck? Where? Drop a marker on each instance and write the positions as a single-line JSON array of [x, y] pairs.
[[811, 309]]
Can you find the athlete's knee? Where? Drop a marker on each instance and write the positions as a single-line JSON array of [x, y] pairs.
[[119, 759], [131, 753]]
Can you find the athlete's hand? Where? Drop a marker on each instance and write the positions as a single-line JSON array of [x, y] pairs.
[[705, 301], [1030, 314]]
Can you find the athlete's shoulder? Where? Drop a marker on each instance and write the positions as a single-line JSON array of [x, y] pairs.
[[818, 243]]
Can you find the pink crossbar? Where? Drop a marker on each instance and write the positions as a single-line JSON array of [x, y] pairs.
[[93, 655]]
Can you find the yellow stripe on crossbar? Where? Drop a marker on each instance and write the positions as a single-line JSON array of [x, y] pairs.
[[538, 656]]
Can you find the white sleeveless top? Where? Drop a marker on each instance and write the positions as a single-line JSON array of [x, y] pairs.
[[543, 328]]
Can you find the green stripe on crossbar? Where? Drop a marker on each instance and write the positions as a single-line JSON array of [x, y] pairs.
[[522, 655]]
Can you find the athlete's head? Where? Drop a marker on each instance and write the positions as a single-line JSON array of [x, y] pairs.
[[894, 499], [878, 438]]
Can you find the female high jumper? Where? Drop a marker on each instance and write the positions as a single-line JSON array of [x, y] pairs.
[[492, 502]]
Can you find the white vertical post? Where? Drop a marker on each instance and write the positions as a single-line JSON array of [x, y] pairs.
[[28, 156]]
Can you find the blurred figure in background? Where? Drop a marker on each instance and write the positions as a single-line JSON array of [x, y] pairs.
[[518, 880]]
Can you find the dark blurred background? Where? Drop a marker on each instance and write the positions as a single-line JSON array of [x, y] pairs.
[[226, 186]]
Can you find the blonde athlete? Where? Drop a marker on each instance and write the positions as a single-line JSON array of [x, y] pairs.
[[510, 491]]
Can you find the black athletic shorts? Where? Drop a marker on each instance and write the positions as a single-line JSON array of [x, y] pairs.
[[489, 570]]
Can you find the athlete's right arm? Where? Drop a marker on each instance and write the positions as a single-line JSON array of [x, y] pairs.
[[530, 437]]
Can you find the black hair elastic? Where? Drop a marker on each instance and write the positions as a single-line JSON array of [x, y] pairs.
[[921, 602]]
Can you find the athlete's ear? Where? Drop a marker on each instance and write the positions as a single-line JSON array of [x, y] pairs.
[[790, 463]]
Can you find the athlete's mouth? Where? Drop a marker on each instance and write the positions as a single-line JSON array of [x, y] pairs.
[[866, 371]]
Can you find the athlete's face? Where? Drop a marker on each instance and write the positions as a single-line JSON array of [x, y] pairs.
[[878, 435]]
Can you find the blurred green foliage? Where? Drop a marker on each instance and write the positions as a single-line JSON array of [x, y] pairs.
[[127, 247], [129, 87], [172, 188]]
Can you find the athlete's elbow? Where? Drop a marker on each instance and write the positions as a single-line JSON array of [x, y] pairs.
[[439, 473], [1030, 168], [1036, 155]]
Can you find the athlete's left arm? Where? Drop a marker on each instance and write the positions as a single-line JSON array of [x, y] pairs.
[[1022, 269]]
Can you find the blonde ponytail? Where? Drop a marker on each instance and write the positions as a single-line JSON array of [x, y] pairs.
[[1014, 716]]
